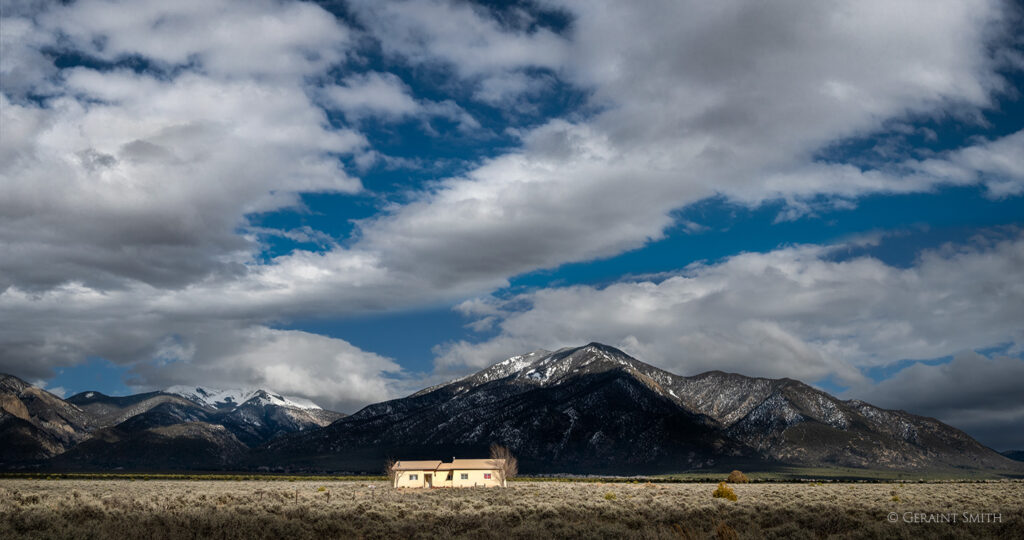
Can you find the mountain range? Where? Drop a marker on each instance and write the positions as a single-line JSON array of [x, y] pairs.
[[178, 428], [590, 409]]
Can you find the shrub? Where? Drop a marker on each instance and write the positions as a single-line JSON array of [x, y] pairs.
[[684, 532], [724, 532], [737, 477], [724, 492], [609, 496], [321, 489]]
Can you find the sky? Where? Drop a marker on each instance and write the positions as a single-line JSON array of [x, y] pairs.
[[348, 201]]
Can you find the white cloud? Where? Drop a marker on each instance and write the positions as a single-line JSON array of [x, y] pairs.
[[168, 340], [118, 176], [225, 39], [155, 186], [793, 312], [330, 371], [58, 391], [384, 95], [512, 89], [997, 164], [381, 93], [122, 189], [727, 99], [122, 181], [25, 68], [754, 95], [125, 194], [460, 35], [562, 199]]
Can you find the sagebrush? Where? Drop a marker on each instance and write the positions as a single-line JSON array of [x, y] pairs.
[[372, 509]]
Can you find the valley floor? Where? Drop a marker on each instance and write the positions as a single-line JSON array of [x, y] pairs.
[[156, 509]]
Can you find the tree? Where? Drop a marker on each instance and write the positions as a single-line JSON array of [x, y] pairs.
[[389, 470], [510, 465], [737, 477]]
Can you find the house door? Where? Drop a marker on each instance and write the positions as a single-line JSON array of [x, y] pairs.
[[429, 479]]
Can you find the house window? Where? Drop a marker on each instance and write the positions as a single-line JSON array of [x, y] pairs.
[[414, 477], [487, 476], [464, 476]]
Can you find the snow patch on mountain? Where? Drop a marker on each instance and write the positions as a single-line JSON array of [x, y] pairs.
[[229, 398], [511, 365]]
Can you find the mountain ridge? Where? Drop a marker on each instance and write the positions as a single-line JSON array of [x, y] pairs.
[[570, 392], [228, 398], [591, 409], [1016, 455], [35, 424], [156, 430]]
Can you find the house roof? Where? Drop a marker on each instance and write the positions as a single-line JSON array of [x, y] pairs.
[[472, 464], [456, 464], [417, 465]]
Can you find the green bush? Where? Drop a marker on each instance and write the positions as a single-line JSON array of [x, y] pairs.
[[609, 496]]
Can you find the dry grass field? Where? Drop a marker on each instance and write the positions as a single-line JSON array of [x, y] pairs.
[[158, 509]]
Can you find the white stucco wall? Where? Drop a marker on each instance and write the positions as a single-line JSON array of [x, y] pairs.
[[476, 478], [404, 479]]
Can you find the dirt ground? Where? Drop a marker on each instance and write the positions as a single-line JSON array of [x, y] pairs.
[[158, 509]]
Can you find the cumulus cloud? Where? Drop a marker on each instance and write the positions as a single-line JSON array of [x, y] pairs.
[[756, 94], [126, 185], [384, 95], [381, 93], [168, 343], [792, 312], [140, 323], [728, 99], [225, 39], [119, 175], [996, 163], [330, 371], [462, 36], [128, 179]]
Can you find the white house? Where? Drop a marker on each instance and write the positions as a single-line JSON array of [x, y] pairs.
[[458, 473]]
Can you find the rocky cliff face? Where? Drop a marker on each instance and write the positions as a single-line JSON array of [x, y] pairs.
[[35, 424]]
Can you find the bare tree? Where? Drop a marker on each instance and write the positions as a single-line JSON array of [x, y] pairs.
[[510, 465], [389, 470]]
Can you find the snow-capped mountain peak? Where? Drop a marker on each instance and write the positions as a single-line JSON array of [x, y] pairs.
[[229, 398], [543, 368]]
